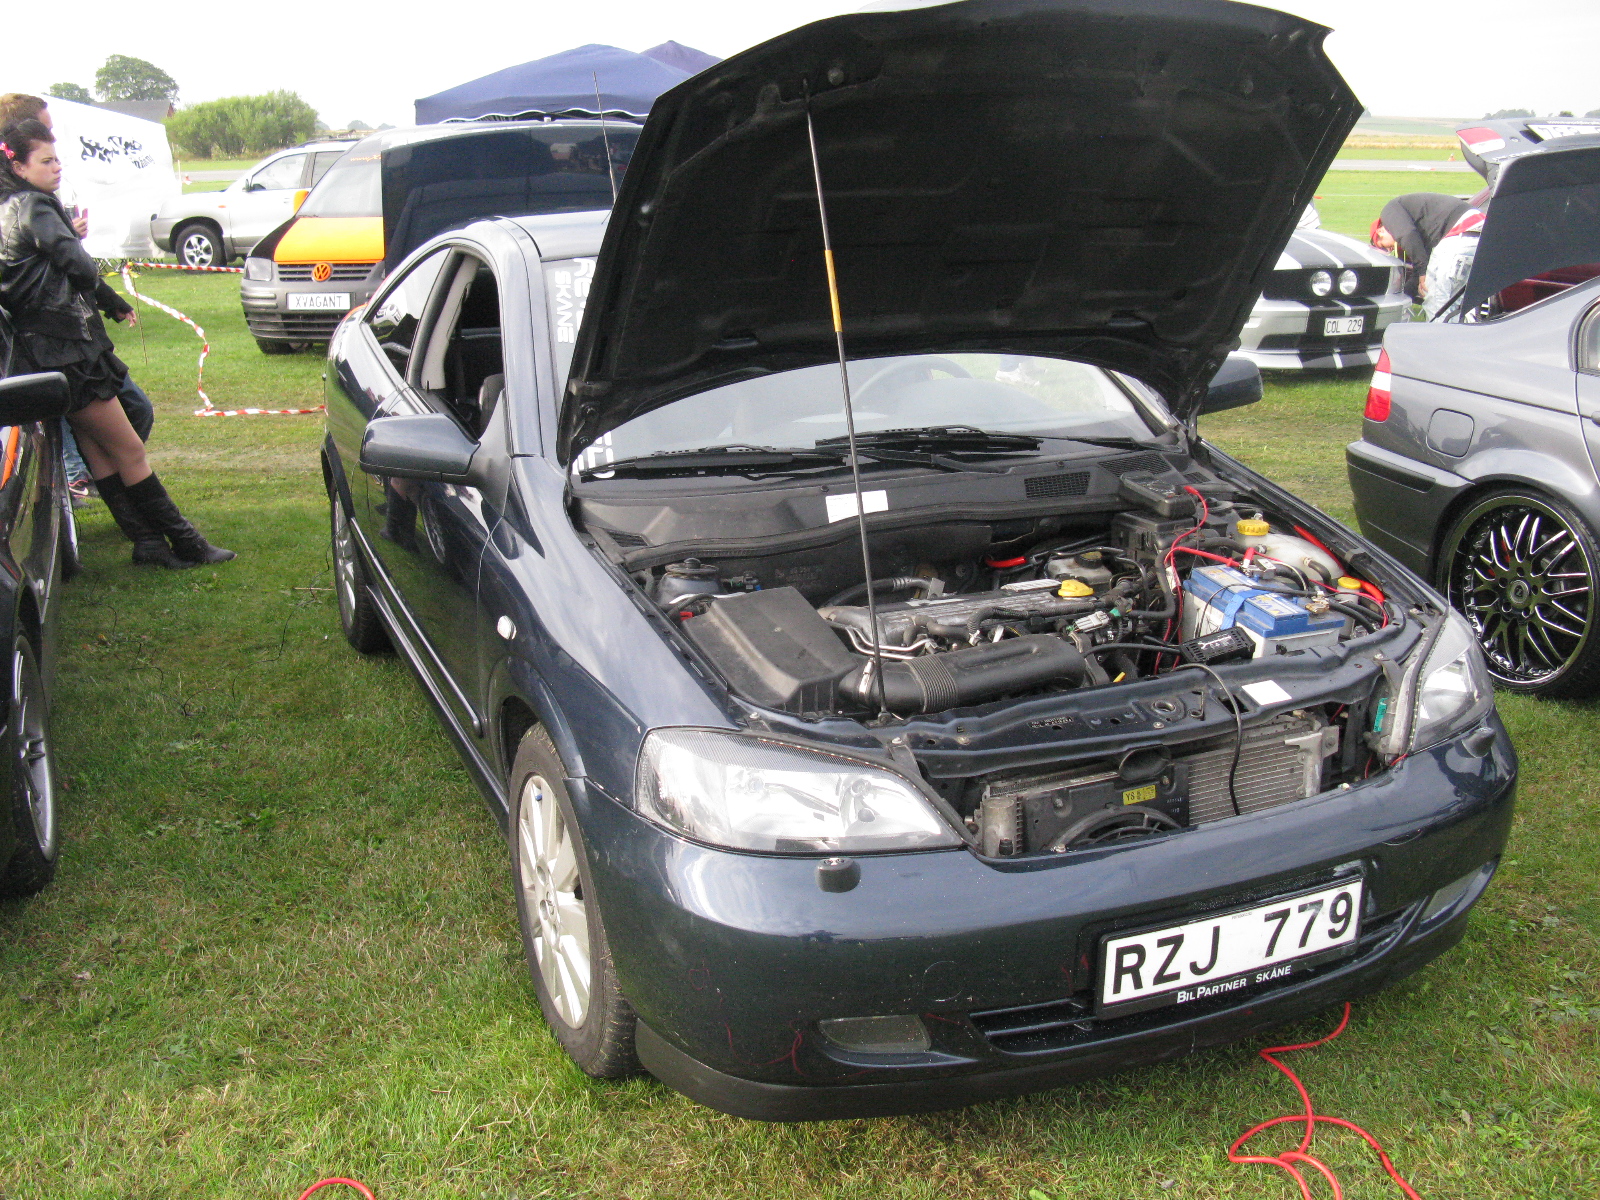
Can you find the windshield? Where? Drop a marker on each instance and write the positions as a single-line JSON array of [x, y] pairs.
[[1044, 397]]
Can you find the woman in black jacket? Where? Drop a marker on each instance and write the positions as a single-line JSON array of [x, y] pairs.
[[52, 289]]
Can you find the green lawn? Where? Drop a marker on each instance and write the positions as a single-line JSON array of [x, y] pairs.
[[282, 943], [1349, 200]]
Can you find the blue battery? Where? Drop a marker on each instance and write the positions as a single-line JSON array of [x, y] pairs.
[[1235, 599]]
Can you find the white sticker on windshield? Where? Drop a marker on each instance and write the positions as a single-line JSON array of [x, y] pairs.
[[843, 505], [1266, 692]]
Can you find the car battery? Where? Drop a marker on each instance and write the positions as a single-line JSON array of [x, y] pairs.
[[1219, 597]]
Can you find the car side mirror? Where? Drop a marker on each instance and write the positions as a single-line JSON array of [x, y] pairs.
[[25, 399], [427, 446], [250, 185], [300, 198], [1236, 383]]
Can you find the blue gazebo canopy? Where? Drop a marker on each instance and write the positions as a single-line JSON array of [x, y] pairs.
[[562, 84]]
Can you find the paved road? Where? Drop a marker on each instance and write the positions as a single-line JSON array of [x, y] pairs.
[[1381, 164], [212, 176]]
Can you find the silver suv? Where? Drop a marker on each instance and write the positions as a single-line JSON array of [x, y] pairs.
[[207, 229]]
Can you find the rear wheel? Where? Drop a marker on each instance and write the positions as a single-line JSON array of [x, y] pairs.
[[562, 935], [32, 778], [358, 615], [199, 246], [1524, 569]]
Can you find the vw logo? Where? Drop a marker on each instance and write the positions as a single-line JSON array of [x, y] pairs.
[[322, 272]]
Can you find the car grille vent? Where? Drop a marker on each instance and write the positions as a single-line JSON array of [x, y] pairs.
[[626, 539], [1197, 477], [1149, 461], [342, 272], [1071, 483], [1063, 1024]]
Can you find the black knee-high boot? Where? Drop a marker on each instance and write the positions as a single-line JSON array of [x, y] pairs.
[[158, 510], [149, 547]]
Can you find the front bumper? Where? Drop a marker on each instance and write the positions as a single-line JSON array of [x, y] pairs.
[[731, 960], [1287, 335], [267, 311]]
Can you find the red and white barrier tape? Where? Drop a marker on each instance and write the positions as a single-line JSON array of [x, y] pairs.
[[184, 267], [210, 410]]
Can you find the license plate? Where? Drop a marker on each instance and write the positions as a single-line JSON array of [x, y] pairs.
[[1228, 952], [1343, 326], [319, 301]]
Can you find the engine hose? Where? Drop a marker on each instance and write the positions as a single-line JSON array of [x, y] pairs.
[[898, 584], [1361, 616], [1165, 613], [936, 682]]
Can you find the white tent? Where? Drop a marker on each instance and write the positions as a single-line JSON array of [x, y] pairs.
[[119, 168]]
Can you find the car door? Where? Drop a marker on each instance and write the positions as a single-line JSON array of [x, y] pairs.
[[429, 537], [267, 198]]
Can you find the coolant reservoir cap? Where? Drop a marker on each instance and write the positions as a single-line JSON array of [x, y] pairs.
[[1349, 584], [1254, 527], [1074, 587]]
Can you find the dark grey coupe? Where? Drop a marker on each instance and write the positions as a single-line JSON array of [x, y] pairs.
[[1118, 750], [1476, 464]]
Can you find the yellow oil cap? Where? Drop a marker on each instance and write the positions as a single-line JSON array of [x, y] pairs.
[[1074, 587], [1254, 527], [1348, 584]]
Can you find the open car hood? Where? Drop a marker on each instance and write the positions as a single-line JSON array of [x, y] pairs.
[[1545, 216], [1106, 180], [1489, 145]]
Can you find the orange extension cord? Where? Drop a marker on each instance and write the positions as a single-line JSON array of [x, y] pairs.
[[322, 1183], [1301, 1153]]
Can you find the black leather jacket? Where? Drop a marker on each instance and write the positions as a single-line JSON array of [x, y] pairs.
[[48, 282]]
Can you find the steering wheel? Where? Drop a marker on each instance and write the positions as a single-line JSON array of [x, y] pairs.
[[923, 362]]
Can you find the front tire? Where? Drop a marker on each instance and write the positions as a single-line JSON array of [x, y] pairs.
[[199, 246], [1524, 569], [563, 938], [31, 776], [358, 614], [269, 346]]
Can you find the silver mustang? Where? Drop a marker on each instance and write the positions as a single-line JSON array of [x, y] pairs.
[[1477, 461]]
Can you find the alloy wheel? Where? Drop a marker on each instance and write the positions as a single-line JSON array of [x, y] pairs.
[[552, 895], [31, 748], [197, 250], [1523, 578]]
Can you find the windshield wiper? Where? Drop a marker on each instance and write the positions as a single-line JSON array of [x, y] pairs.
[[715, 459], [1114, 443], [950, 438]]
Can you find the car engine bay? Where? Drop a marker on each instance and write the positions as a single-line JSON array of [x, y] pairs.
[[1176, 577]]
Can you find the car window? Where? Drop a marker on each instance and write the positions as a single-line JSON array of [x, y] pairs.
[[1045, 397], [395, 320], [461, 371], [281, 173], [320, 162], [1589, 342]]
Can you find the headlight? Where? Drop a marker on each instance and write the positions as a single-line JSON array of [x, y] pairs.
[[1321, 283], [1453, 688], [1348, 282], [732, 790], [258, 270]]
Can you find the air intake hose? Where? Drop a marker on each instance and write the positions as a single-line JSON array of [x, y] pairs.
[[935, 682]]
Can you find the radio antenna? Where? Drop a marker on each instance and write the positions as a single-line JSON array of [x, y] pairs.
[[876, 665], [605, 137]]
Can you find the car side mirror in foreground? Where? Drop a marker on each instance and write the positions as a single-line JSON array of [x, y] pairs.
[[427, 446], [1236, 383], [28, 398], [300, 198]]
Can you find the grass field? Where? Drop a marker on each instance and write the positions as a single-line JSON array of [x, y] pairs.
[[282, 943]]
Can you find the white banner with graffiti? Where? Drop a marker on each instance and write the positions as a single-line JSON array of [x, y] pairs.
[[117, 167]]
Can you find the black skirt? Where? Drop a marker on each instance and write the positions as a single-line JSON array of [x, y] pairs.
[[93, 370]]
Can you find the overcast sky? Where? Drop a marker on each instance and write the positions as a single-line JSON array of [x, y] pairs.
[[369, 61]]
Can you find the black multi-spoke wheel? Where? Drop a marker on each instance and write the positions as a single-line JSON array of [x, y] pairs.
[[1522, 568], [32, 777]]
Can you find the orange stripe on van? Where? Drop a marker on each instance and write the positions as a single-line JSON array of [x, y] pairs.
[[332, 239], [13, 443]]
